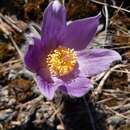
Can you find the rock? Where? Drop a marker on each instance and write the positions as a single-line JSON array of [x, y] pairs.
[[60, 127], [115, 120]]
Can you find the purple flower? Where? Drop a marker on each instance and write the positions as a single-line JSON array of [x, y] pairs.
[[59, 58]]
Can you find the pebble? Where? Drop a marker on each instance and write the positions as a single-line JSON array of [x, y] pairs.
[[60, 127], [115, 120]]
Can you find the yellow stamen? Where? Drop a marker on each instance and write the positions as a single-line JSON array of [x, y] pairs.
[[61, 61]]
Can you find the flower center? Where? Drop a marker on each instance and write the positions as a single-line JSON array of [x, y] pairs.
[[61, 61]]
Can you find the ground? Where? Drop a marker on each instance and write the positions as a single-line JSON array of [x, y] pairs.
[[22, 107]]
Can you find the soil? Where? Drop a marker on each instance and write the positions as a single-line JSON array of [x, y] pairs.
[[22, 107]]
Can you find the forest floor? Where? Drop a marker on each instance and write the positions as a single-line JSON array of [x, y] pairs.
[[22, 107]]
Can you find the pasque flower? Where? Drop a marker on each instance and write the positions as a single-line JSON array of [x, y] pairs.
[[59, 57]]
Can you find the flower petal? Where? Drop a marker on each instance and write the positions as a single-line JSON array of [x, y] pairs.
[[80, 32], [33, 55], [95, 61], [54, 22], [48, 88], [76, 87]]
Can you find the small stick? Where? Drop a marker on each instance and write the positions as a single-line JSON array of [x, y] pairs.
[[107, 20], [126, 113], [116, 91], [34, 101], [104, 100], [16, 47], [98, 90], [124, 107], [13, 66], [10, 23], [56, 112], [118, 114], [112, 6]]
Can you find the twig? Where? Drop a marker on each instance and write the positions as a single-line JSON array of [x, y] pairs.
[[122, 71], [98, 90], [126, 113], [10, 62], [115, 91], [90, 114], [112, 95], [122, 47], [123, 30], [7, 20], [107, 21], [124, 107], [112, 6], [56, 112], [104, 100], [118, 114], [16, 47], [117, 11], [34, 101], [12, 66]]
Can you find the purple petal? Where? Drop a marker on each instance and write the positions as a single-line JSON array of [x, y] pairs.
[[48, 88], [80, 32], [33, 55], [76, 87], [53, 25], [95, 61]]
